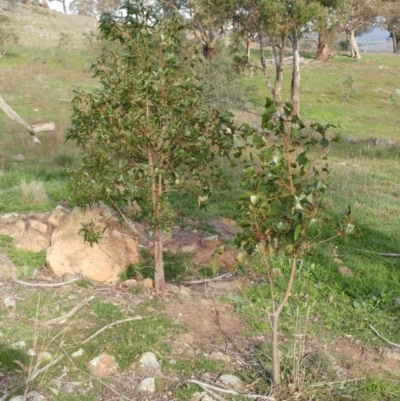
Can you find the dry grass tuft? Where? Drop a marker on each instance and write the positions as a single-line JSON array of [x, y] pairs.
[[33, 193]]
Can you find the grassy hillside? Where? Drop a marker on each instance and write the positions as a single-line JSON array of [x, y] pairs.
[[54, 54]]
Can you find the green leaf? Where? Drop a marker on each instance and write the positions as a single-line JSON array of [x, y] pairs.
[[297, 231]]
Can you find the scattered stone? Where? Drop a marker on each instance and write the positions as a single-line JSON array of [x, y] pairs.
[[148, 365], [78, 353], [129, 283], [232, 381], [10, 303], [345, 271], [211, 242], [58, 216], [38, 226], [147, 385], [19, 157], [31, 396], [18, 345], [276, 272], [103, 365], [219, 356], [7, 267], [101, 262], [147, 283]]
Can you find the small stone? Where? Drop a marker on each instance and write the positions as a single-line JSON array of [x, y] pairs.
[[148, 365], [7, 267], [10, 303], [18, 345], [173, 289], [219, 356], [38, 226], [147, 283], [345, 271], [232, 381], [130, 283], [78, 353], [103, 365], [276, 272], [184, 291], [211, 242], [147, 385]]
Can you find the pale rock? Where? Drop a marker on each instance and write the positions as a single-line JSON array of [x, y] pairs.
[[345, 271], [392, 353], [129, 283], [147, 283], [102, 262], [19, 157], [103, 365], [7, 267], [20, 225], [9, 216], [58, 216], [18, 345], [148, 365], [38, 226], [147, 385], [219, 356], [232, 381], [173, 289], [184, 291], [211, 242], [31, 241], [78, 353], [10, 303]]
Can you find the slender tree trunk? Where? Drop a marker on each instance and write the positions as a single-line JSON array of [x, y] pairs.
[[264, 66], [248, 49], [295, 86], [323, 48], [276, 373], [64, 6], [278, 60], [394, 41], [208, 51], [355, 52]]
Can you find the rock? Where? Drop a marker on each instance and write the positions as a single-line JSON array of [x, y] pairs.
[[10, 303], [184, 291], [9, 216], [148, 365], [345, 271], [19, 157], [30, 241], [38, 226], [58, 216], [18, 345], [219, 356], [386, 143], [232, 381], [173, 289], [129, 283], [103, 365], [102, 262], [211, 242], [7, 268], [147, 385], [20, 225], [147, 283], [78, 353]]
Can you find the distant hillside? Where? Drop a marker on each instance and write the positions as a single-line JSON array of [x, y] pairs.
[[39, 27]]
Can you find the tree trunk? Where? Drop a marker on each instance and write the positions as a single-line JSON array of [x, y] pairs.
[[323, 48], [295, 86], [64, 6], [159, 277], [208, 51], [278, 60], [394, 41], [248, 50], [355, 52]]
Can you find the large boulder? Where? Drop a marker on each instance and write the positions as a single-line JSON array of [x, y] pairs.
[[116, 249]]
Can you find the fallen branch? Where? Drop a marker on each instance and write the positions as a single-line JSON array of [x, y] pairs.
[[32, 129], [59, 319], [207, 387], [107, 326], [207, 280], [27, 283], [383, 338], [387, 254]]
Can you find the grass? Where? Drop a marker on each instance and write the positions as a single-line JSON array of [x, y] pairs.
[[38, 80]]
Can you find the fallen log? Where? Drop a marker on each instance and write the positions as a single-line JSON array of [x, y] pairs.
[[32, 129]]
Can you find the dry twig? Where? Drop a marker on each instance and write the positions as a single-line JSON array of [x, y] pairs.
[[29, 284], [226, 275], [59, 319], [129, 319], [383, 338], [208, 387]]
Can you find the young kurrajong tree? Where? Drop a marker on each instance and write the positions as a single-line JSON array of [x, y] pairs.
[[145, 132], [282, 206]]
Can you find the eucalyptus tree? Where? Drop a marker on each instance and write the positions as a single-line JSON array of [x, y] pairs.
[[357, 15], [145, 132], [392, 22]]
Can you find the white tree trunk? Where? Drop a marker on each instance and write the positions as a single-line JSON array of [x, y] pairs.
[[295, 87], [355, 51]]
